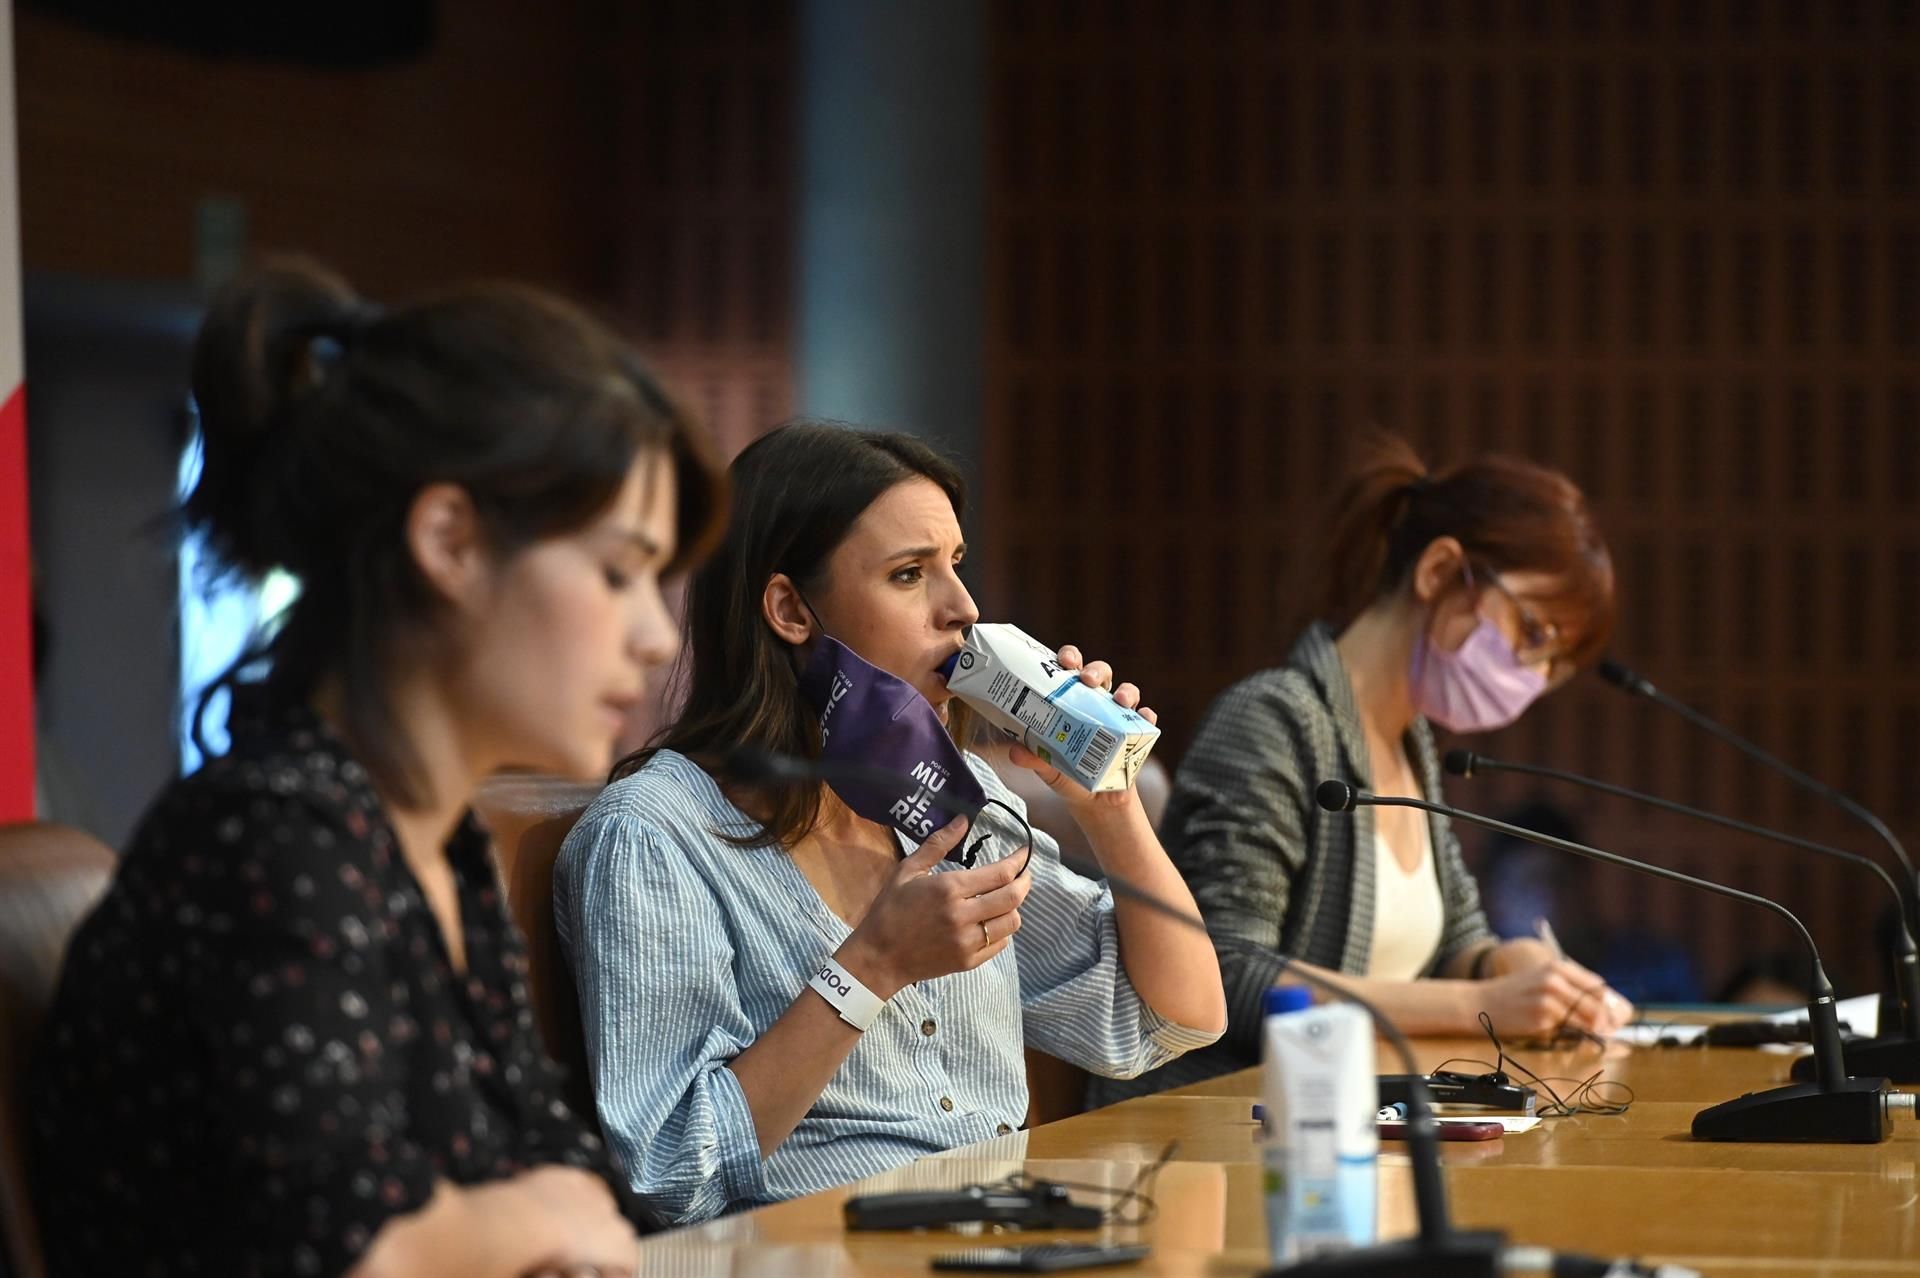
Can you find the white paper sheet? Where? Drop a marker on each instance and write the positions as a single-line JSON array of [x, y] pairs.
[[1860, 1014], [1509, 1123]]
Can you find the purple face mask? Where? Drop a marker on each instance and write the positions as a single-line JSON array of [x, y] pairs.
[[878, 720], [1480, 687]]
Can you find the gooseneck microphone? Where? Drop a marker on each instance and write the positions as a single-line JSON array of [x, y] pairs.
[[1897, 1055], [1832, 1109], [1437, 1247], [1638, 685]]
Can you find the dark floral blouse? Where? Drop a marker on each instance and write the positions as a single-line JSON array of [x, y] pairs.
[[260, 1052]]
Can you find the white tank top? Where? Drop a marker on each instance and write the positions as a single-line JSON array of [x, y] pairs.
[[1407, 914]]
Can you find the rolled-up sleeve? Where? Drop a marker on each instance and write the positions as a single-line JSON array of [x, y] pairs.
[[1075, 999], [651, 954]]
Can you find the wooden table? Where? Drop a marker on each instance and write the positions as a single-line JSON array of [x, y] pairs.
[[1635, 1184]]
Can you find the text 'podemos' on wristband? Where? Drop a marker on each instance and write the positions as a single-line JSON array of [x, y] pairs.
[[857, 1005]]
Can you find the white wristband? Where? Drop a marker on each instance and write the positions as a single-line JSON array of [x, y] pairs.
[[857, 1005]]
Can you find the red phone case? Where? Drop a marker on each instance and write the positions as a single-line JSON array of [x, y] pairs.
[[1448, 1131]]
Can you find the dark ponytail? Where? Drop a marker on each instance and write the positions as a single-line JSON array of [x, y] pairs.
[[266, 344], [322, 417], [1509, 515], [1368, 506]]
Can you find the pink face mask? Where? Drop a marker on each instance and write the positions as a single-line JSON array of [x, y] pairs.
[[1478, 688]]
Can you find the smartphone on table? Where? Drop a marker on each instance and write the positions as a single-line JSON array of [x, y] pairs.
[[1447, 1131]]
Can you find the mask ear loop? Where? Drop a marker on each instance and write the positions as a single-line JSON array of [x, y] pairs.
[[1417, 675], [794, 660], [801, 595], [972, 854]]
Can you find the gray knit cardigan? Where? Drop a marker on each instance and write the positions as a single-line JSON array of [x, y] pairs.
[[1273, 873]]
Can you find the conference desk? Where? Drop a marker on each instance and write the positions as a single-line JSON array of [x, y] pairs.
[[1633, 1184]]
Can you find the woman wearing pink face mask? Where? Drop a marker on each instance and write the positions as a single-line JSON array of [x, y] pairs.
[[1450, 600]]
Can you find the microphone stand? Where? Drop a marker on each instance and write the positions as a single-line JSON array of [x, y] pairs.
[[1895, 1055], [1832, 1109], [1437, 1249], [1638, 685]]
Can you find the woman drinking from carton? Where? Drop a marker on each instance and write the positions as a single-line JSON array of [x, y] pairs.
[[780, 991]]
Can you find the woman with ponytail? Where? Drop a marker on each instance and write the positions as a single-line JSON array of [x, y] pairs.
[[294, 1038], [1450, 600]]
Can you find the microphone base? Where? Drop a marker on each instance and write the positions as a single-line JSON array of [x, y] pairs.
[[1853, 1112], [1461, 1253], [1894, 1058]]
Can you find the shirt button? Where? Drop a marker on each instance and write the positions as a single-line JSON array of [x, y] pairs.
[[946, 1103], [1003, 1130], [927, 1027]]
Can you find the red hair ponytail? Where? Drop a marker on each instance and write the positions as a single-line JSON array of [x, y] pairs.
[[1371, 501], [1510, 515]]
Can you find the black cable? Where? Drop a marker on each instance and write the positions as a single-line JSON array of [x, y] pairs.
[[1584, 1097], [1133, 1193]]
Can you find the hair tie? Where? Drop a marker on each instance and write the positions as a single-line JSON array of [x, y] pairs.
[[1402, 504], [355, 323], [331, 341]]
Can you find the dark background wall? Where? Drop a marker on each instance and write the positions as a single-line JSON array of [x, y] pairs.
[[1673, 249], [637, 157], [497, 146]]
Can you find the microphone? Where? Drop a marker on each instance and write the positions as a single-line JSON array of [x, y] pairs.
[[1832, 1109], [1897, 1056], [1638, 685], [1437, 1247]]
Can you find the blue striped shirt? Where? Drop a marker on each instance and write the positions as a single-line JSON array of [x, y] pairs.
[[686, 948]]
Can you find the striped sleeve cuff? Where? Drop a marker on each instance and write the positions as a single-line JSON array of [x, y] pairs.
[[742, 1173], [1172, 1037]]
